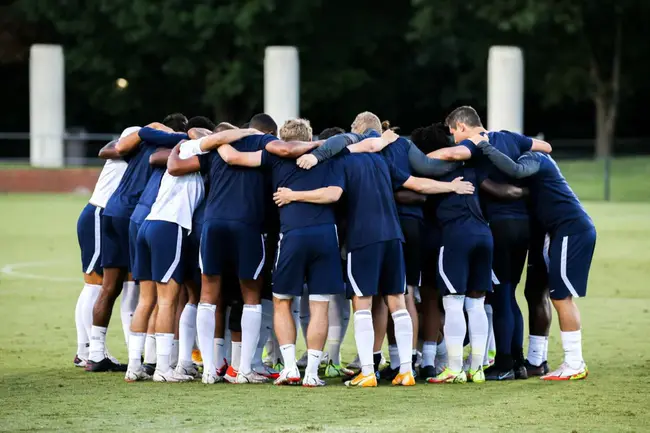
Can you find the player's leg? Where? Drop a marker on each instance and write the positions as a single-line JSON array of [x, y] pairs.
[[380, 324], [338, 319], [180, 306], [187, 328], [285, 330], [413, 231], [431, 323], [570, 260], [149, 364], [519, 240], [266, 328], [234, 334]]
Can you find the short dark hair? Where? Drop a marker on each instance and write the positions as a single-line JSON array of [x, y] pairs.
[[265, 123], [464, 114], [200, 122], [176, 121], [430, 138], [330, 132]]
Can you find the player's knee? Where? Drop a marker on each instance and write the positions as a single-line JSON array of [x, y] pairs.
[[475, 294]]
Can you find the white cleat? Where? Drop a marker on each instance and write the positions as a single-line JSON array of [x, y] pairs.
[[251, 377], [302, 362], [355, 364], [210, 379], [188, 369], [170, 376], [136, 375], [312, 381], [288, 376]]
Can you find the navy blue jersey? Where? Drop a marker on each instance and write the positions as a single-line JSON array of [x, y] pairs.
[[397, 154], [148, 196], [369, 183], [236, 193], [460, 211], [285, 173]]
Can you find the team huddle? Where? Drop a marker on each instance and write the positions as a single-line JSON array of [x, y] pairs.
[[224, 241]]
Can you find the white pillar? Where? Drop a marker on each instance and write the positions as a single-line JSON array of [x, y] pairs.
[[281, 83], [506, 89], [46, 105]]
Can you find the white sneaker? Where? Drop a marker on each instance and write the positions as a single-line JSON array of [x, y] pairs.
[[251, 377], [288, 376], [312, 381], [210, 379], [135, 375], [170, 376], [187, 369], [355, 364], [302, 362]]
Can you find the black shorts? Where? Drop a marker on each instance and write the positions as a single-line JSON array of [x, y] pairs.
[[412, 229], [537, 271], [271, 244], [511, 241], [431, 240]]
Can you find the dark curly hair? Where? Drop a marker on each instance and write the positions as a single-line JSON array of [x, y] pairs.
[[432, 137]]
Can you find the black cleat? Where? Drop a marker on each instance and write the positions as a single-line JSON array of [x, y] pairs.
[[520, 372], [427, 372], [388, 373], [104, 365], [149, 368], [493, 374], [534, 370]]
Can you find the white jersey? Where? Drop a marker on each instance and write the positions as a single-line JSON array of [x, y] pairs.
[[110, 177], [178, 197]]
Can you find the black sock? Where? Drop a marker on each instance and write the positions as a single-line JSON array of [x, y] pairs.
[[376, 357], [503, 362]]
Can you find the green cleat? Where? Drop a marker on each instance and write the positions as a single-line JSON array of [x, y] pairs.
[[476, 376], [337, 370]]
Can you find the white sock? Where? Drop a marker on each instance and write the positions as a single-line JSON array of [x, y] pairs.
[[572, 345], [219, 353], [393, 355], [364, 335], [89, 305], [404, 339], [441, 354], [205, 329], [173, 359], [150, 349], [455, 329], [136, 347], [186, 333], [236, 354], [536, 345], [83, 339], [429, 353], [334, 330], [289, 355], [227, 338], [545, 356], [97, 343], [313, 361], [304, 314], [265, 330], [251, 321], [478, 330], [164, 351], [128, 304], [491, 343]]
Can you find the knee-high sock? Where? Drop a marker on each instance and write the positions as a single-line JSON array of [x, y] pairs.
[[83, 338], [336, 331], [455, 330], [364, 335], [164, 351], [136, 347], [403, 338], [517, 345], [265, 330], [186, 333], [205, 329], [478, 330], [251, 321], [89, 305], [491, 345], [150, 349], [503, 324], [227, 338], [128, 304]]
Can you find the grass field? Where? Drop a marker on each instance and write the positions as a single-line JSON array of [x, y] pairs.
[[40, 389]]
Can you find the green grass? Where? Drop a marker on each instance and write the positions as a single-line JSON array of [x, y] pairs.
[[40, 390]]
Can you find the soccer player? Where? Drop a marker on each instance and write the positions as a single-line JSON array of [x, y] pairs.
[[375, 262], [115, 237], [572, 243], [509, 224]]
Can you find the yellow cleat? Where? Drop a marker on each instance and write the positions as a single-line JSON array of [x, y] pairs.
[[449, 376], [476, 376], [363, 381], [404, 379], [196, 357]]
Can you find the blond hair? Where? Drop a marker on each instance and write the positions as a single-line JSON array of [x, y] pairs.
[[296, 129], [364, 121], [223, 126]]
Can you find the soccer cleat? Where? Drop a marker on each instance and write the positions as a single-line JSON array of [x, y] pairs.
[[149, 368], [534, 370], [491, 354], [427, 372], [196, 357], [80, 362], [136, 375], [404, 379], [188, 369], [355, 364], [566, 372], [337, 370], [448, 376], [388, 373], [210, 379], [476, 376], [494, 374], [266, 371], [279, 365], [288, 376], [325, 359], [251, 377], [104, 365], [221, 372], [231, 375], [362, 381], [171, 376], [521, 372], [312, 381], [302, 362]]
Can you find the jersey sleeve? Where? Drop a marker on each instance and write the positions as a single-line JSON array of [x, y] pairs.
[[335, 145], [204, 162], [397, 176], [471, 146], [161, 138], [336, 175], [268, 159], [266, 139], [524, 143], [527, 165], [425, 166]]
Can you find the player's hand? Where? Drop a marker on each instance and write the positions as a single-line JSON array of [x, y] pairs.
[[283, 196], [389, 136], [462, 187], [307, 161]]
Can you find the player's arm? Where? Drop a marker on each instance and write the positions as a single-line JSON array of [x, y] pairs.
[[327, 195], [108, 151], [541, 146], [503, 191], [161, 137], [426, 166], [195, 133], [527, 165], [455, 153], [232, 156], [128, 143], [430, 186], [406, 196], [177, 166], [213, 141], [291, 149], [159, 157]]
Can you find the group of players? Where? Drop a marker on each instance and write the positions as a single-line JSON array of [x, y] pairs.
[[215, 233]]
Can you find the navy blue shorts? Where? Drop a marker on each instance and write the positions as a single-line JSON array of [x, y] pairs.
[[377, 269], [569, 262], [115, 242], [134, 228], [308, 254], [465, 262], [89, 234], [159, 252], [192, 254], [430, 251], [232, 244]]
